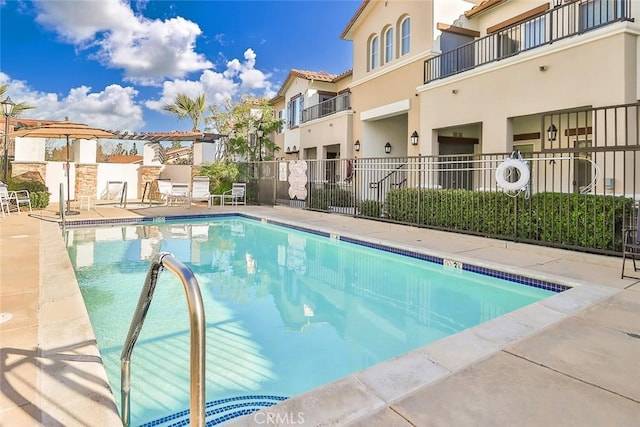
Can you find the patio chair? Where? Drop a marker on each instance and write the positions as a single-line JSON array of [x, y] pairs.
[[200, 190], [4, 199], [172, 193], [237, 194], [20, 197], [631, 245]]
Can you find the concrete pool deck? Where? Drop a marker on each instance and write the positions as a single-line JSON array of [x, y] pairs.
[[571, 359]]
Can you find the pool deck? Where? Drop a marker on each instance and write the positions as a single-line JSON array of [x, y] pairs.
[[572, 359]]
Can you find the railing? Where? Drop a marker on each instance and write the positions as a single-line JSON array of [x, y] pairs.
[[330, 106], [63, 215], [197, 335], [556, 24], [123, 195], [384, 184]]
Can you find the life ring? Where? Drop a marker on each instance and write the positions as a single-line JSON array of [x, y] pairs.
[[504, 171]]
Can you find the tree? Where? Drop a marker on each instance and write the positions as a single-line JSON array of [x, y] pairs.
[[184, 106], [119, 150], [241, 121], [20, 107], [134, 150]]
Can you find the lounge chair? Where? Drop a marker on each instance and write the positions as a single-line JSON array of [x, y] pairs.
[[172, 193], [200, 190], [631, 245], [237, 194]]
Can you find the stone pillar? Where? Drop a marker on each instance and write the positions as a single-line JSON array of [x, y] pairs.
[[149, 174], [86, 180]]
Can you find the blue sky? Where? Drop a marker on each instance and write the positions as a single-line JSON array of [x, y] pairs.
[[113, 63]]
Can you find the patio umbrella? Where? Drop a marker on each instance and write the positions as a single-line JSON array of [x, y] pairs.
[[65, 129]]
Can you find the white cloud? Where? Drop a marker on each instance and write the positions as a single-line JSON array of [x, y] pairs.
[[147, 50], [112, 108], [239, 78]]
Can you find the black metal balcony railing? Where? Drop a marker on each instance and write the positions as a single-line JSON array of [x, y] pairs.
[[330, 106], [556, 24]]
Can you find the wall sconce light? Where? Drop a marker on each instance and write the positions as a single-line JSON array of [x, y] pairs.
[[557, 3], [387, 148], [356, 145], [543, 68], [552, 132], [288, 149], [295, 150], [454, 91], [414, 138]]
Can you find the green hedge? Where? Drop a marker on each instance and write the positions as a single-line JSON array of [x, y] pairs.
[[323, 198], [38, 193], [588, 221]]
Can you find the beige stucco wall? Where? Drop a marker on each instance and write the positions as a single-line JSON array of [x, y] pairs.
[[515, 87], [377, 16], [335, 129]]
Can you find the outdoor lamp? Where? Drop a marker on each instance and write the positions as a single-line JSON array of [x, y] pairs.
[[295, 149], [387, 148], [414, 138], [357, 145], [260, 133], [552, 132], [557, 3], [288, 149], [7, 109]]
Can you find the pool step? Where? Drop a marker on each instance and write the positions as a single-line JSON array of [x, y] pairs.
[[219, 411]]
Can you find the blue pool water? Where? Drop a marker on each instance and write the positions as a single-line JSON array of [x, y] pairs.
[[286, 311]]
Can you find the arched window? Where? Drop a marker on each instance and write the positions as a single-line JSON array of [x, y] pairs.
[[374, 53], [388, 45], [405, 36]]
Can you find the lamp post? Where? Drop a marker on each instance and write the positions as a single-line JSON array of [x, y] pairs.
[[260, 133], [7, 109]]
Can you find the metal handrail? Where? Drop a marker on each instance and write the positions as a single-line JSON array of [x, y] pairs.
[[123, 195], [146, 192], [63, 215], [197, 335]]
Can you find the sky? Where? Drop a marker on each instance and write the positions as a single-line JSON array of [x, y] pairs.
[[113, 64]]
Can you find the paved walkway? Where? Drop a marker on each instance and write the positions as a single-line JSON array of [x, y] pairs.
[[570, 360]]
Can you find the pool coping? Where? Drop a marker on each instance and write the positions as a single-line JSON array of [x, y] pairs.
[[377, 387]]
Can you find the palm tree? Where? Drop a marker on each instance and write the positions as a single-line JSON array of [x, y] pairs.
[[20, 107], [184, 106]]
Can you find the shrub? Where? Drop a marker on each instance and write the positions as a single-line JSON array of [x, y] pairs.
[[370, 208], [221, 174]]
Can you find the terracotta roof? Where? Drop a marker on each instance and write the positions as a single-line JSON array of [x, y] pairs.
[[486, 4], [354, 18], [322, 76], [124, 158]]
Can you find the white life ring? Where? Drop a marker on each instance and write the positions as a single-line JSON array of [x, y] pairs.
[[503, 172]]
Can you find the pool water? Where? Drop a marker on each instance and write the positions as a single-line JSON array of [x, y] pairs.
[[286, 311]]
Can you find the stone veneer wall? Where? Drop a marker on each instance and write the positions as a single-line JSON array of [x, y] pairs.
[[18, 168], [149, 174], [86, 180]]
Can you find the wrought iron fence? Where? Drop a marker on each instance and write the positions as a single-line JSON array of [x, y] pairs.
[[578, 198], [564, 21]]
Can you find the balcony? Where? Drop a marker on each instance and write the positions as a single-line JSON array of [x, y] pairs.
[[561, 22], [326, 108]]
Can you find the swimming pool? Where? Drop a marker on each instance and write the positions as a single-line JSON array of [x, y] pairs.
[[287, 311]]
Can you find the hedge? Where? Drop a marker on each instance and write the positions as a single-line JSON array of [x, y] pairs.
[[581, 220]]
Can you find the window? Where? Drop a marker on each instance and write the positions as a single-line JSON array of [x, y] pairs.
[[294, 110], [534, 32], [388, 45], [373, 55], [405, 36], [598, 12], [281, 118]]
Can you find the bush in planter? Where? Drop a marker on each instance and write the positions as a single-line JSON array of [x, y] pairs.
[[38, 192], [319, 199], [370, 208]]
